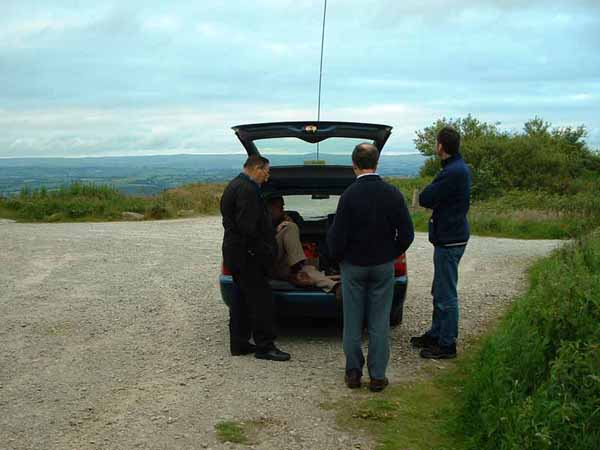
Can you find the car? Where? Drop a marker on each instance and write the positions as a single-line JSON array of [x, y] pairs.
[[311, 168]]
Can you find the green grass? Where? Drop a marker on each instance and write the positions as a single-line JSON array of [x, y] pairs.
[[231, 432], [535, 384], [88, 202], [406, 416], [522, 214], [532, 383], [243, 432]]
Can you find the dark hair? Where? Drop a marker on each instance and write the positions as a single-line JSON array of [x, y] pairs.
[[256, 161], [365, 156], [450, 140]]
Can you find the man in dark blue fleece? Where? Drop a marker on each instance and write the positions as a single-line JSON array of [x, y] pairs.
[[372, 227], [448, 195]]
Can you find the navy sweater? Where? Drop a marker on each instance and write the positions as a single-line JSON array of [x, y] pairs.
[[372, 225], [449, 195]]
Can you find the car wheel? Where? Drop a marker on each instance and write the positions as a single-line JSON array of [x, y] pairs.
[[396, 316]]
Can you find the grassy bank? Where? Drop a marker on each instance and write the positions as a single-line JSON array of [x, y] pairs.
[[522, 214], [88, 202], [535, 384], [532, 383]]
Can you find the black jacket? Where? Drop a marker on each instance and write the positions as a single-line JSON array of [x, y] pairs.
[[372, 224], [249, 235], [449, 197]]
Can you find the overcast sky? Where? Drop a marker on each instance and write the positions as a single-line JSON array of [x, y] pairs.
[[100, 78]]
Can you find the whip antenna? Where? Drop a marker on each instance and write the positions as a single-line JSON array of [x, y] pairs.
[[321, 69]]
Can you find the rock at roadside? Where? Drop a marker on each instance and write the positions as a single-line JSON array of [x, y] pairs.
[[6, 221], [128, 215]]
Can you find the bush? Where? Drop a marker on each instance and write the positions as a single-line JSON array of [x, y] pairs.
[[536, 384], [538, 158]]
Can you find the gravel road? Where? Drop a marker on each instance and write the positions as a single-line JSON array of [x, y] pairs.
[[114, 336]]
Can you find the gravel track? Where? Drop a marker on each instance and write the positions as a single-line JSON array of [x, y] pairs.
[[114, 336]]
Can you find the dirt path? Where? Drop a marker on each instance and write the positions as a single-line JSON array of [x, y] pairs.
[[114, 336]]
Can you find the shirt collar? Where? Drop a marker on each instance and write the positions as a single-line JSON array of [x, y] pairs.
[[366, 174]]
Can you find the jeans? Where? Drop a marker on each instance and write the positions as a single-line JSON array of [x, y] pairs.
[[367, 292], [444, 324]]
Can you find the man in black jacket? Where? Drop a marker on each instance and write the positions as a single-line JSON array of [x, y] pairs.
[[372, 227], [448, 195], [249, 250]]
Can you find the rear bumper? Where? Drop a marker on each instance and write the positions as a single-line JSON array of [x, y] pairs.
[[309, 302]]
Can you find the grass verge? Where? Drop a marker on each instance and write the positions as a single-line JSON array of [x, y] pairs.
[[406, 416]]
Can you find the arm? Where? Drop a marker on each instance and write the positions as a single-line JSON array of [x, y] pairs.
[[248, 211], [337, 236], [437, 192], [405, 232]]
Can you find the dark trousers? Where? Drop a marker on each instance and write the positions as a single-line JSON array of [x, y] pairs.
[[252, 310]]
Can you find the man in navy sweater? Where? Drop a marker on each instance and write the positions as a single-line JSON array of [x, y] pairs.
[[372, 227], [448, 196]]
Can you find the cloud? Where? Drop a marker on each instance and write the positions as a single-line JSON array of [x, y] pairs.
[[150, 76]]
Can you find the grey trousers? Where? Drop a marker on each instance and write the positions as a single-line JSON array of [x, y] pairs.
[[367, 292]]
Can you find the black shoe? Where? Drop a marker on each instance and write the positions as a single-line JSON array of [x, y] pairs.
[[244, 350], [273, 354], [378, 385], [423, 341], [438, 352], [352, 378]]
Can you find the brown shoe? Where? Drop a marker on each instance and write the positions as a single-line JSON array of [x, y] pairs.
[[352, 378], [378, 385]]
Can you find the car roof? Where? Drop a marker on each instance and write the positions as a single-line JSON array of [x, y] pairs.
[[311, 131]]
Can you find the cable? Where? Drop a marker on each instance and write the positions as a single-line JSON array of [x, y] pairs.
[[321, 69]]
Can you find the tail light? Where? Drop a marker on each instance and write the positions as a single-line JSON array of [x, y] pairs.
[[225, 270], [400, 265]]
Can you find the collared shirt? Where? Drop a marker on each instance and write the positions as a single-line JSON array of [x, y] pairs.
[[366, 174]]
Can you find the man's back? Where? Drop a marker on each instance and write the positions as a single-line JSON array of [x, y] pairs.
[[372, 224]]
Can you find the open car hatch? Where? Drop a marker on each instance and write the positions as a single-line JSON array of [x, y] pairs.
[[311, 132]]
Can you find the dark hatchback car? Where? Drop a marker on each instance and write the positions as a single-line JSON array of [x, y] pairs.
[[311, 167]]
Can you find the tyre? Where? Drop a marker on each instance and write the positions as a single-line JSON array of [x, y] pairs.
[[396, 315]]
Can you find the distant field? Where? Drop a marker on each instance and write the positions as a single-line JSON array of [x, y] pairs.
[[150, 175]]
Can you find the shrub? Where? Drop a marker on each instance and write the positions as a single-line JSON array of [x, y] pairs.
[[538, 158]]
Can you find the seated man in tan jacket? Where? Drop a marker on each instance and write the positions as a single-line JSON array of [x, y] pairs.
[[291, 264]]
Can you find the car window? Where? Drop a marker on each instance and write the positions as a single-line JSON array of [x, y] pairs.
[[292, 151], [310, 208]]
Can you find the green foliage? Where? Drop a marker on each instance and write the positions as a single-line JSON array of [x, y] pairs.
[[231, 432], [538, 158], [84, 202], [536, 382]]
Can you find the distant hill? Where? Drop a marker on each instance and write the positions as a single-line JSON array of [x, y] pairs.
[[147, 175]]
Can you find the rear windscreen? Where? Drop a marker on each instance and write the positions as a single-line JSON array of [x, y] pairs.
[[311, 208], [293, 151]]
